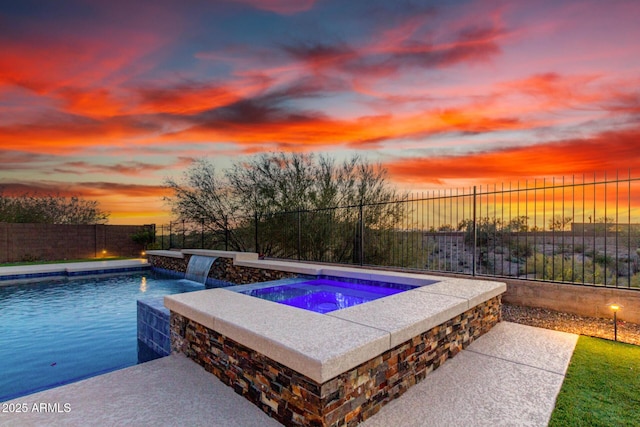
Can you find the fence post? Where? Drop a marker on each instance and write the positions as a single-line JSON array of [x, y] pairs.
[[255, 219], [475, 233], [201, 233], [299, 235], [170, 234], [361, 235]]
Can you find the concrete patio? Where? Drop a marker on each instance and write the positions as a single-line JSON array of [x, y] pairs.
[[510, 376]]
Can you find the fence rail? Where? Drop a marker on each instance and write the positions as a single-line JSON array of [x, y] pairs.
[[583, 231]]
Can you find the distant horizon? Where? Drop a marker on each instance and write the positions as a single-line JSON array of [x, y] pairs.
[[106, 101]]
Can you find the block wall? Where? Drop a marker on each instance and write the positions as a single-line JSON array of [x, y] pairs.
[[54, 242], [592, 301]]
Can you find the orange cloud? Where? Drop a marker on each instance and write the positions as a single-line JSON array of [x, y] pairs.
[[89, 82], [76, 62], [270, 124], [149, 83], [555, 90], [255, 117], [88, 190], [131, 168], [91, 102], [605, 152], [65, 134]]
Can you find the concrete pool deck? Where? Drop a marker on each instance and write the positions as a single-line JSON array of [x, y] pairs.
[[509, 376], [37, 272]]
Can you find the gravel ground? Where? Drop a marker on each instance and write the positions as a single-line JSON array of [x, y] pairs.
[[591, 326]]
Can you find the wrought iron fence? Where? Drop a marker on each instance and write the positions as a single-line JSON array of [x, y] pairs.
[[186, 234], [584, 231]]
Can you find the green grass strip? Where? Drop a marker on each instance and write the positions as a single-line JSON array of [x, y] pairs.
[[602, 386]]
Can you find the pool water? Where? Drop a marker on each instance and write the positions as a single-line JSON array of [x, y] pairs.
[[53, 333], [324, 295]]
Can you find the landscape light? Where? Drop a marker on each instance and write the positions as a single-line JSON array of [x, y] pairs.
[[615, 307]]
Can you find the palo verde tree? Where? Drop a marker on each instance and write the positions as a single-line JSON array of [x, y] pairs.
[[49, 209], [291, 199]]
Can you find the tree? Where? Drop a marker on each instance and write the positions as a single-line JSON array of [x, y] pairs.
[[204, 197], [50, 209], [291, 199], [518, 224], [144, 237]]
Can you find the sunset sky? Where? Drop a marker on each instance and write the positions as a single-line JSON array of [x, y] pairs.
[[106, 99]]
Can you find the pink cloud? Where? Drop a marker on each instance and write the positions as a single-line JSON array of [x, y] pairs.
[[284, 7]]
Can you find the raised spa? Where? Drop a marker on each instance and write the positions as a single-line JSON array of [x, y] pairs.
[[332, 366]]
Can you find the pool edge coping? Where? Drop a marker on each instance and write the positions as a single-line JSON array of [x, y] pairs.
[[28, 273]]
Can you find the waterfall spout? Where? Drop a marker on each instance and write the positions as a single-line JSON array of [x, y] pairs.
[[198, 268]]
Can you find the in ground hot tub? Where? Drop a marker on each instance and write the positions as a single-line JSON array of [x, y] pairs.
[[341, 366]]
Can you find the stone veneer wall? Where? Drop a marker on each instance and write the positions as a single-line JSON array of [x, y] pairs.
[[168, 263], [222, 270], [351, 397]]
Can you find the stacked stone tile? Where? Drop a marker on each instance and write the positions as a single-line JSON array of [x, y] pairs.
[[222, 269], [176, 264], [347, 399]]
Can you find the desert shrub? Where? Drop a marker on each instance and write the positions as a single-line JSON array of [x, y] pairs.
[[579, 248], [563, 248], [154, 246], [489, 229], [604, 260], [520, 249], [559, 268]]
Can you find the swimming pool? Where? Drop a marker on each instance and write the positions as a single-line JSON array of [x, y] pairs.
[[53, 333], [324, 295]]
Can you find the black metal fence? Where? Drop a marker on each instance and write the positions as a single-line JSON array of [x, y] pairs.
[[186, 234], [584, 231]]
